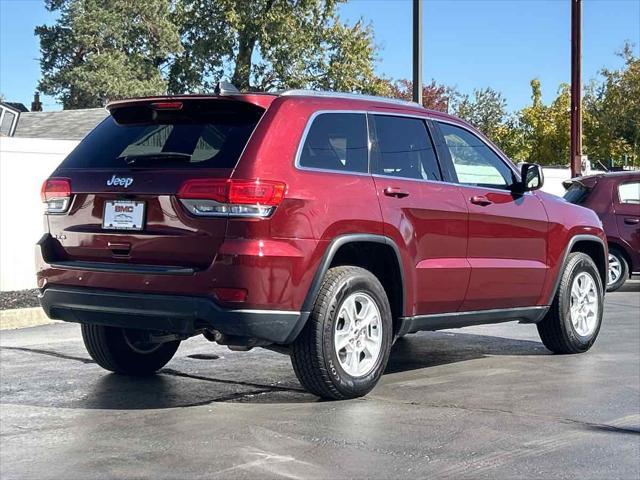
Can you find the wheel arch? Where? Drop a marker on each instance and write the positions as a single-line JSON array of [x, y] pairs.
[[618, 247], [590, 245], [596, 249], [375, 253]]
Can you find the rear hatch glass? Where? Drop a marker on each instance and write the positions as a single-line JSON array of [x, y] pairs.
[[196, 135], [124, 176], [577, 193]]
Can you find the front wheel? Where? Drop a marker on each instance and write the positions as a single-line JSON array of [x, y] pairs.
[[573, 322], [344, 347], [126, 351], [618, 271]]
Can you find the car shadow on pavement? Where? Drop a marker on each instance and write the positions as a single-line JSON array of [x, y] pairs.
[[630, 286], [431, 349], [177, 388], [172, 388]]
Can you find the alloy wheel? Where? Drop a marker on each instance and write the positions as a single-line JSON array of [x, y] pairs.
[[584, 304], [615, 270], [358, 334]]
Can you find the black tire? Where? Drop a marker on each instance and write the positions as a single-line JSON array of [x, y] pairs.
[[624, 271], [110, 349], [313, 355], [556, 329]]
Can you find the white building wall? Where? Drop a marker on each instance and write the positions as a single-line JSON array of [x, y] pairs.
[[24, 165]]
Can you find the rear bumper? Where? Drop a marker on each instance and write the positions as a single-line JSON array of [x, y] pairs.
[[168, 313]]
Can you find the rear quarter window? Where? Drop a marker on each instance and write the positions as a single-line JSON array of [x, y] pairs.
[[336, 141]]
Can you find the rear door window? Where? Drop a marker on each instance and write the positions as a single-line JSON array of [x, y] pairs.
[[403, 148], [338, 142], [212, 136]]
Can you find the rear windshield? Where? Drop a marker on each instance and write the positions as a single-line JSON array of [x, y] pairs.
[[196, 136], [576, 193]]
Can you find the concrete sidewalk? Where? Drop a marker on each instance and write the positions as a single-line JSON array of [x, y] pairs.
[[23, 318]]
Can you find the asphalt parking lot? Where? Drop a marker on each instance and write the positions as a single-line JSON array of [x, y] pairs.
[[481, 402]]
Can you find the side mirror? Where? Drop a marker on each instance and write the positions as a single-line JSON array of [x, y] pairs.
[[532, 177]]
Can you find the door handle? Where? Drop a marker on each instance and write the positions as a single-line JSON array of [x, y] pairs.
[[119, 246], [395, 192], [480, 200], [632, 221]]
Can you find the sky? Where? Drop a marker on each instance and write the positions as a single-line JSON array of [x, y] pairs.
[[468, 44]]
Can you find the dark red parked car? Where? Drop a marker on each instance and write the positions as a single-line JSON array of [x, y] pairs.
[[321, 225], [615, 197]]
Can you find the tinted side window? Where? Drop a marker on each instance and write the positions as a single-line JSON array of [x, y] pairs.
[[404, 149], [474, 162], [337, 141], [629, 193]]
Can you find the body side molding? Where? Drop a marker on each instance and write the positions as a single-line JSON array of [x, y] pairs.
[[441, 321]]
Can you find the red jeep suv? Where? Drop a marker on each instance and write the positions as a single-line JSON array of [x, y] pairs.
[[317, 224]]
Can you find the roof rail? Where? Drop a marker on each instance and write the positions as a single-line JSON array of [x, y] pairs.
[[350, 96]]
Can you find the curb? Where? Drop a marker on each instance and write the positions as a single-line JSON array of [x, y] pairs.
[[23, 318]]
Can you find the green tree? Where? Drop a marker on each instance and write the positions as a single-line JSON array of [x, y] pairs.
[[543, 130], [486, 109], [612, 113], [98, 51], [272, 44]]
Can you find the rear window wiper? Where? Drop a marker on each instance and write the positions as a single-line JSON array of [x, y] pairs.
[[150, 157]]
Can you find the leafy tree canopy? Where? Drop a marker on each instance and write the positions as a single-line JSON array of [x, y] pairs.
[[612, 107], [435, 96], [272, 44], [100, 50]]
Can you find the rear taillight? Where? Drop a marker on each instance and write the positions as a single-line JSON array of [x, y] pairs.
[[56, 195], [240, 198]]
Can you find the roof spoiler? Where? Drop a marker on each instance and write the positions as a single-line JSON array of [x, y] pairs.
[[580, 180]]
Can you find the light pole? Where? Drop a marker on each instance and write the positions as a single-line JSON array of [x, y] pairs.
[[576, 88], [417, 51]]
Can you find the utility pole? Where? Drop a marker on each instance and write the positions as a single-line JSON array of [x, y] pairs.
[[417, 51], [576, 88]]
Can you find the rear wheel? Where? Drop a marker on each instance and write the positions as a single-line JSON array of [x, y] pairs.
[[573, 322], [126, 351], [618, 270], [344, 347]]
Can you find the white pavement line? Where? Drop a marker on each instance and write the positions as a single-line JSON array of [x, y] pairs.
[[23, 318]]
